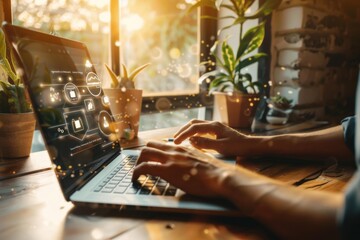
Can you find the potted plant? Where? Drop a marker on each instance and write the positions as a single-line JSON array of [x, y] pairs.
[[125, 101], [280, 109], [236, 93], [17, 121]]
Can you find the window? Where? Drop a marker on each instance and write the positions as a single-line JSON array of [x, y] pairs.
[[161, 33]]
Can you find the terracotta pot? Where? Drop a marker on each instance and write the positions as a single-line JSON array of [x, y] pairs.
[[235, 109], [126, 108], [16, 134]]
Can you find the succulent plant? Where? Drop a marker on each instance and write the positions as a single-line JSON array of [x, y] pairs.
[[127, 79], [281, 102], [12, 93]]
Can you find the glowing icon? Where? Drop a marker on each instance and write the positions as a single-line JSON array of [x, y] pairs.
[[105, 122], [88, 64], [54, 95], [106, 100], [77, 124], [72, 94], [89, 105], [60, 130], [93, 84]]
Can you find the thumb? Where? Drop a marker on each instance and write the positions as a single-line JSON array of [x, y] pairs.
[[205, 143]]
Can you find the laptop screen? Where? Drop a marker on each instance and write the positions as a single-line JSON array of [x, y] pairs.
[[67, 98]]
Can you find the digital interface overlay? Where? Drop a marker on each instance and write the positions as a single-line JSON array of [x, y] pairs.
[[72, 111]]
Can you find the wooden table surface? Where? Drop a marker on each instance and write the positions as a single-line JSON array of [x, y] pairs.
[[32, 206]]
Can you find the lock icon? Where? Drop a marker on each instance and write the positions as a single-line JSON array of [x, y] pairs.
[[77, 124]]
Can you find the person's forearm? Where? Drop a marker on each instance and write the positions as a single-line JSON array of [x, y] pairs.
[[289, 212], [328, 143]]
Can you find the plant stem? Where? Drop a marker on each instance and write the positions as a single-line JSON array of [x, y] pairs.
[[241, 32]]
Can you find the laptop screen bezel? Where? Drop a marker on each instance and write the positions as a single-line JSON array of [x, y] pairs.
[[68, 185]]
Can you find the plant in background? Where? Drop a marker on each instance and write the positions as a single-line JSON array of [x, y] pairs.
[[280, 109], [280, 102], [12, 93], [127, 80], [125, 101], [229, 75]]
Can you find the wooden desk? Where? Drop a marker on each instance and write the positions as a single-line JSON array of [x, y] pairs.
[[32, 206]]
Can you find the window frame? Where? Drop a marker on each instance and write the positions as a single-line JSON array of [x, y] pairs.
[[7, 11]]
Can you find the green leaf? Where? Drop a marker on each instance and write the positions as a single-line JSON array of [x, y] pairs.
[[240, 87], [137, 71], [217, 82], [208, 74], [228, 57], [124, 72], [219, 62], [252, 40], [241, 79], [13, 63], [5, 87], [248, 4], [246, 77], [239, 20], [258, 84], [220, 85], [265, 9], [3, 60], [253, 86], [7, 67], [224, 87], [2, 45], [213, 48], [218, 4], [114, 79], [250, 60]]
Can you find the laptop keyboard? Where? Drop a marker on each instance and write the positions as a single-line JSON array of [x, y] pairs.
[[119, 182]]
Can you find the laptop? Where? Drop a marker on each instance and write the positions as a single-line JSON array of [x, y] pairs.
[[75, 121]]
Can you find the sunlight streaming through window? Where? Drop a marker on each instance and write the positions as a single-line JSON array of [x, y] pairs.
[[161, 33]]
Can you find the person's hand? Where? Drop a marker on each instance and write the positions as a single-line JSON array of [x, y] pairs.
[[191, 170], [227, 140]]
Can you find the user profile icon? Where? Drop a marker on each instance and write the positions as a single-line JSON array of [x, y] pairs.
[[72, 93]]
